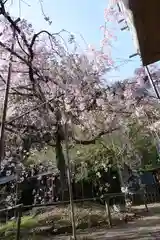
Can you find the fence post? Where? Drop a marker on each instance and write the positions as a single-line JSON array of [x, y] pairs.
[[145, 201], [19, 222], [108, 213]]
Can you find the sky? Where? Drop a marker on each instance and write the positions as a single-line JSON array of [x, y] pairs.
[[81, 17]]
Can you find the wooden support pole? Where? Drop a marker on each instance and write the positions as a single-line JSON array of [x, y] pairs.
[[19, 222], [108, 213], [70, 182]]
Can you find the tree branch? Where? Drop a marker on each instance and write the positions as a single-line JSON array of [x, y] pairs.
[[93, 140]]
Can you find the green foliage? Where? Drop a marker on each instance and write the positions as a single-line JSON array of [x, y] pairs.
[[144, 143], [92, 159]]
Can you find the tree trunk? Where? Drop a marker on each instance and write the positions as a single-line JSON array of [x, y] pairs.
[[61, 165]]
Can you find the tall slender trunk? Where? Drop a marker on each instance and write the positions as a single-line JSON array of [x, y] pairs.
[[60, 158]]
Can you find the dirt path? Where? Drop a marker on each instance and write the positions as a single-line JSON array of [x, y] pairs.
[[146, 228]]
